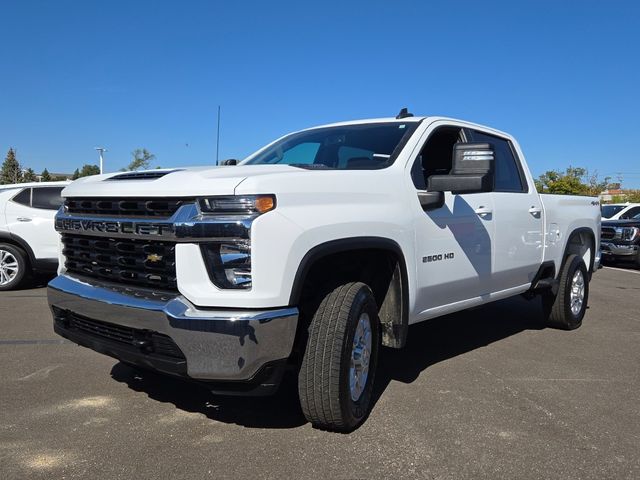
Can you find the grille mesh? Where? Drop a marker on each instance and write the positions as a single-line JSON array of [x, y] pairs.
[[139, 262], [607, 233], [125, 207]]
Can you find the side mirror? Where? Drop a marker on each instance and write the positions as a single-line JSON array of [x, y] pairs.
[[230, 161], [472, 172], [431, 200]]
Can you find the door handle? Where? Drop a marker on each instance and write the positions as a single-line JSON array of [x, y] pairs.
[[24, 219], [535, 211], [483, 211]]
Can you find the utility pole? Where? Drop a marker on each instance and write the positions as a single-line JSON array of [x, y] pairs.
[[218, 138], [101, 150]]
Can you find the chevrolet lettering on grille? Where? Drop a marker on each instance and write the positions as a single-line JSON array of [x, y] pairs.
[[110, 226]]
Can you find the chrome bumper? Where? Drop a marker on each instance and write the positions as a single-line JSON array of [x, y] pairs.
[[222, 345], [618, 249]]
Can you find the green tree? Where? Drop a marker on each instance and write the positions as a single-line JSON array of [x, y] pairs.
[[142, 159], [29, 175], [76, 174], [573, 181], [631, 196], [45, 176], [88, 170], [11, 171]]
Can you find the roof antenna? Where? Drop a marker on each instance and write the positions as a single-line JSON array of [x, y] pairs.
[[404, 113]]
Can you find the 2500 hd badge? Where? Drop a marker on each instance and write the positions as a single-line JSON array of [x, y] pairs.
[[437, 257]]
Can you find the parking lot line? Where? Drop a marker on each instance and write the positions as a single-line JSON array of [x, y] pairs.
[[623, 270]]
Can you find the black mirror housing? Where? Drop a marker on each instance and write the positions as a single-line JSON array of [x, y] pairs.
[[230, 161], [472, 172], [470, 183], [431, 200]]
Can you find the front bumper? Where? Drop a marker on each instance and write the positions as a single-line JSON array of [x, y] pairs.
[[609, 249], [218, 344]]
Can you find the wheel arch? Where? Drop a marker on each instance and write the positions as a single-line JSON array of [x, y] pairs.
[[394, 309], [576, 241], [15, 240]]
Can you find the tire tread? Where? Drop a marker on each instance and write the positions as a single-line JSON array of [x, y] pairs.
[[319, 382]]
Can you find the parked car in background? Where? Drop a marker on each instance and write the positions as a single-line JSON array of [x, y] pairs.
[[28, 239], [620, 211], [620, 240]]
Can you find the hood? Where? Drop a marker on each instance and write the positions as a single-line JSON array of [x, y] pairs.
[[176, 182]]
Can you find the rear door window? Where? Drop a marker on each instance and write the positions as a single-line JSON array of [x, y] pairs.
[[48, 198], [509, 177], [23, 198]]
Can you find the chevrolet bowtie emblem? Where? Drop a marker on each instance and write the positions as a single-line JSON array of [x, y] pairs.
[[154, 257]]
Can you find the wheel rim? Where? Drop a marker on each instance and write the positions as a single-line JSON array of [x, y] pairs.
[[360, 357], [8, 267], [577, 292]]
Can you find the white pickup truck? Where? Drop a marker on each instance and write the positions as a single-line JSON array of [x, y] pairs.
[[314, 252]]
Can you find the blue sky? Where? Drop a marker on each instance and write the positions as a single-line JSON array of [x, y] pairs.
[[563, 76]]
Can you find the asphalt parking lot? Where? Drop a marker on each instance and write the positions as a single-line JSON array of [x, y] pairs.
[[487, 393]]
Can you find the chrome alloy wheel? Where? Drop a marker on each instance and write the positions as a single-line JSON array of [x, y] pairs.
[[577, 292], [360, 356], [8, 267]]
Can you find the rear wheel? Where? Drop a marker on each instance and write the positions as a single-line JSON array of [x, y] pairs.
[[13, 266], [566, 309], [338, 368]]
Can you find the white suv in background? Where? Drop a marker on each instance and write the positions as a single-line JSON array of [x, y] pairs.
[[28, 239], [620, 211]]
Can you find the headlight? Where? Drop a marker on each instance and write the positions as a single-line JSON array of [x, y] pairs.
[[229, 261], [237, 204], [629, 234]]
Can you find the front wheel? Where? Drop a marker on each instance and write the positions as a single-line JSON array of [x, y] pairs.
[[336, 377], [13, 266], [566, 309]]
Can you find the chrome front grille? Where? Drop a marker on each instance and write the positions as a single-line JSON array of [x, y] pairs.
[[139, 262], [125, 207]]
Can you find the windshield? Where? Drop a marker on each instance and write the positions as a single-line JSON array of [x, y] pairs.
[[609, 211], [368, 146]]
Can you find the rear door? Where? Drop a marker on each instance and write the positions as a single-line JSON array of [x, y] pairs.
[[30, 215], [518, 217]]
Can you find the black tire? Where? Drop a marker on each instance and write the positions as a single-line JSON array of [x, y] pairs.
[[324, 379], [558, 307], [7, 254]]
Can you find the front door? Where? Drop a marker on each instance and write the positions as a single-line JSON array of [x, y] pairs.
[[454, 243], [455, 250]]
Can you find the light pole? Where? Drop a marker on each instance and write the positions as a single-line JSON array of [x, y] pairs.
[[101, 150], [218, 138]]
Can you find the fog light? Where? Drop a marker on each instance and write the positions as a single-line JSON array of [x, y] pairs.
[[228, 264]]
